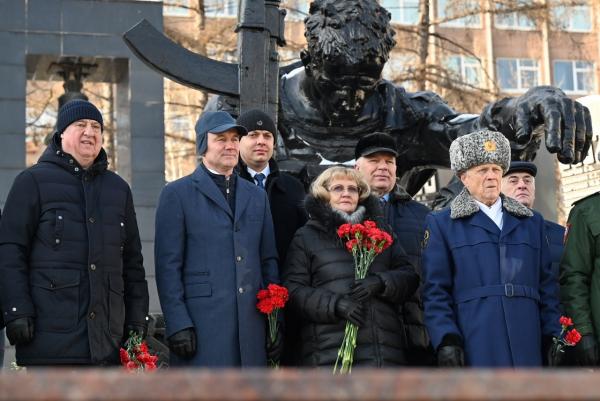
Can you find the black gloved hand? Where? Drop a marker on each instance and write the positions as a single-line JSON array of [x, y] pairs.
[[351, 310], [451, 356], [586, 351], [366, 288], [141, 331], [183, 343], [274, 348], [20, 331]]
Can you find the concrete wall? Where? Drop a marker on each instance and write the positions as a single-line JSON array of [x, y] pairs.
[[90, 29]]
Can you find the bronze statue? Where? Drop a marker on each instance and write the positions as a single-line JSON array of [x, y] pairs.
[[338, 95]]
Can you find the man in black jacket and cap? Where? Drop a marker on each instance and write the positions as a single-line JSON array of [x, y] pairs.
[[285, 193], [375, 155], [72, 280]]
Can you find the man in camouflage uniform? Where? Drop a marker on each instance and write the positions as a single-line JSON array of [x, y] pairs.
[[579, 276]]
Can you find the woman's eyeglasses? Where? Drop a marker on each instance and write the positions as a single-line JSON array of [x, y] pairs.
[[339, 189]]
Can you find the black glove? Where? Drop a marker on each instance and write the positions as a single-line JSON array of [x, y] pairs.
[[141, 331], [274, 348], [183, 343], [366, 288], [20, 331], [451, 356], [351, 310], [586, 351]]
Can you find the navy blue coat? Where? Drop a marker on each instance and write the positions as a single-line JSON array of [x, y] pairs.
[[556, 235], [210, 264], [493, 289], [407, 219], [70, 257]]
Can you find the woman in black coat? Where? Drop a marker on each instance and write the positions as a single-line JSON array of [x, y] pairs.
[[319, 273]]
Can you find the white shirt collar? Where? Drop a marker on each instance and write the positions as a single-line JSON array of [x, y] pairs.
[[494, 212], [266, 171]]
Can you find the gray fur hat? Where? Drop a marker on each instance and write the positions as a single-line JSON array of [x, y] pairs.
[[479, 147]]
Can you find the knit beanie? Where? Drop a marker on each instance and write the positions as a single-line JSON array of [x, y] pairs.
[[479, 147], [75, 110], [255, 120]]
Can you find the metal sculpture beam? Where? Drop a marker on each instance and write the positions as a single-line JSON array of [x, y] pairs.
[[179, 64]]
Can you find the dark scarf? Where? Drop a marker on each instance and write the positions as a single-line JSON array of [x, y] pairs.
[[223, 183]]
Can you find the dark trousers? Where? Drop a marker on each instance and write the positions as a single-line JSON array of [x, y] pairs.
[[1, 348]]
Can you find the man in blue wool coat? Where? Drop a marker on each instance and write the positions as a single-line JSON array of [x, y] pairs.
[[489, 293], [214, 250]]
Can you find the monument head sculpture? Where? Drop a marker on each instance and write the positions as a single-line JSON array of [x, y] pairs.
[[349, 42]]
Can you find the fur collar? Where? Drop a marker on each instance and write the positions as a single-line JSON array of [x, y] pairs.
[[328, 219], [465, 206]]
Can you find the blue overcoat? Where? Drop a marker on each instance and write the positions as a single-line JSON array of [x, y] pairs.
[[210, 264], [492, 288]]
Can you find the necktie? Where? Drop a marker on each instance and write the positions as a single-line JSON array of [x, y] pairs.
[[260, 178], [382, 202]]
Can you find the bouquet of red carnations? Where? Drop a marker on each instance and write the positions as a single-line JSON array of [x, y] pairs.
[[365, 241], [269, 302], [567, 338], [136, 355]]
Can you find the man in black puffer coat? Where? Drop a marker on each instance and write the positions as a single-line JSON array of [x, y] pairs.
[[376, 160], [72, 281], [319, 273]]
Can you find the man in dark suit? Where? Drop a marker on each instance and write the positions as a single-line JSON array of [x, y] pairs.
[[285, 193], [519, 183], [214, 250]]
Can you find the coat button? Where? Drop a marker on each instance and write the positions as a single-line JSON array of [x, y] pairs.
[[241, 290], [92, 220], [76, 169], [92, 267], [60, 217], [239, 258], [92, 315], [57, 240], [71, 161]]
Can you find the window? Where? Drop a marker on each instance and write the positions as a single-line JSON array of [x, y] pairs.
[[220, 8], [403, 11], [574, 76], [517, 74], [514, 21], [575, 18], [176, 8], [466, 69], [450, 8], [297, 10], [400, 70]]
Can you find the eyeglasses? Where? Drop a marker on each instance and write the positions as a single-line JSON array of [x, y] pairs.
[[339, 189]]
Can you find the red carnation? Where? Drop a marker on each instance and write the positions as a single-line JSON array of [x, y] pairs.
[[136, 356], [370, 224], [358, 230], [269, 302], [124, 356], [572, 337], [566, 321], [344, 230]]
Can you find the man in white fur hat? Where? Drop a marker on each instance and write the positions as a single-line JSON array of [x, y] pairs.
[[489, 294]]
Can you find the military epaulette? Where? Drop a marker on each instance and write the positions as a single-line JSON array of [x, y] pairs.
[[585, 197]]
